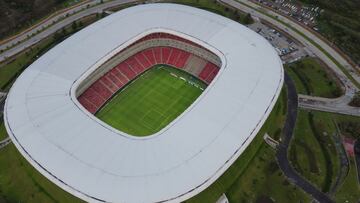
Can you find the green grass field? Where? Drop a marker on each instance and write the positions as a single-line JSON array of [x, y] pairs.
[[255, 174], [312, 78], [151, 101], [314, 156], [3, 134], [312, 151]]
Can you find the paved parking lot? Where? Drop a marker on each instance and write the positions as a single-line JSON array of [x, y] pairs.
[[288, 50]]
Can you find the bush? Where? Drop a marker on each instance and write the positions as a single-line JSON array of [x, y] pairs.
[[356, 100]]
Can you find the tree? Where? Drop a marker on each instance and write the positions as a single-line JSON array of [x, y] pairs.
[[236, 15], [74, 26], [56, 36], [356, 100], [248, 19]]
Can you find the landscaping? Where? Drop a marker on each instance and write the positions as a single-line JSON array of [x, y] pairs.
[[311, 77]]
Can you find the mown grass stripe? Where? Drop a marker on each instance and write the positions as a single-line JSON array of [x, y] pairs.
[[151, 102]]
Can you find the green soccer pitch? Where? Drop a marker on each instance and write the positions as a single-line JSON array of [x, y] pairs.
[[151, 101]]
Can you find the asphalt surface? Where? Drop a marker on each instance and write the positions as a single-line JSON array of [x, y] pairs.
[[292, 96], [5, 142], [350, 69], [337, 105], [57, 26], [282, 152], [2, 102], [47, 22]]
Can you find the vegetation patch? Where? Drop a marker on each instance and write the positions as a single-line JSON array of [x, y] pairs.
[[3, 134], [13, 67], [312, 151], [340, 23], [317, 130], [350, 128], [312, 78], [355, 100], [18, 15], [255, 173], [20, 182]]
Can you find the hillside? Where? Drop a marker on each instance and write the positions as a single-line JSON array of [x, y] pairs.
[[17, 14], [340, 23]]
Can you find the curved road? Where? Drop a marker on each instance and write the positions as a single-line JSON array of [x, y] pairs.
[[282, 150], [337, 105], [284, 163], [81, 11], [338, 57], [55, 17]]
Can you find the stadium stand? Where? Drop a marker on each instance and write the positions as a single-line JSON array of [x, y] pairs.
[[182, 59], [194, 65], [207, 70], [149, 54], [140, 60], [157, 53]]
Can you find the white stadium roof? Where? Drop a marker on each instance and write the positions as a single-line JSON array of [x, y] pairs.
[[94, 162]]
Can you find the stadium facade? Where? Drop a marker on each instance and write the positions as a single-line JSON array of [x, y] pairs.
[[65, 142]]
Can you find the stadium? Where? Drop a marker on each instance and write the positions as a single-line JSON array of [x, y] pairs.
[[150, 104]]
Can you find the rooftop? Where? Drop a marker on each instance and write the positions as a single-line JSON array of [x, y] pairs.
[[79, 153]]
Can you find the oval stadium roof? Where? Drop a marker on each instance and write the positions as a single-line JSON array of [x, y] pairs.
[[74, 150]]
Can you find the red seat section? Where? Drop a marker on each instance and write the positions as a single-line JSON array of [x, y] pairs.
[[123, 79], [184, 56], [212, 75], [103, 91], [209, 67], [157, 54], [142, 60], [110, 75], [174, 57], [108, 84], [165, 54], [134, 65], [88, 105], [149, 54], [91, 95], [124, 68]]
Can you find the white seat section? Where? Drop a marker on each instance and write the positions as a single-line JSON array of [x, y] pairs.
[[96, 163]]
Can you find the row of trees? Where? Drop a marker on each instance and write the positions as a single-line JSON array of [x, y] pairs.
[[340, 23]]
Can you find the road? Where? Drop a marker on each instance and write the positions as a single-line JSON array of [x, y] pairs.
[[338, 57], [5, 142], [337, 105], [2, 102], [13, 40], [282, 150], [28, 42]]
